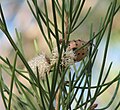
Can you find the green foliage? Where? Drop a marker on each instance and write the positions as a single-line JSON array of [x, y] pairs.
[[62, 88]]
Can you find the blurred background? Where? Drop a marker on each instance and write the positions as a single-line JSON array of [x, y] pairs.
[[18, 15]]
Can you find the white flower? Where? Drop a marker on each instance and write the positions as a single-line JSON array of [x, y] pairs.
[[41, 62], [67, 58]]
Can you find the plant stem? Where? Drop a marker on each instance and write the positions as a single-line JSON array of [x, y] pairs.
[[66, 27], [57, 99]]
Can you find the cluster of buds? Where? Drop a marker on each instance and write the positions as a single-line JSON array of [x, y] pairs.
[[76, 51]]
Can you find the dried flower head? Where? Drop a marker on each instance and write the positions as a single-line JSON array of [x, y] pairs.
[[42, 63], [67, 58]]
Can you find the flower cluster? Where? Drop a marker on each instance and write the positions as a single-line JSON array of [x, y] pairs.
[[41, 62], [44, 66], [67, 57]]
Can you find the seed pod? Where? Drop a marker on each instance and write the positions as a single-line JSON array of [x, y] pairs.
[[79, 48]]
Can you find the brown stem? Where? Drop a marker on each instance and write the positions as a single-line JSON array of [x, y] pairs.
[[57, 99], [66, 27], [93, 106]]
